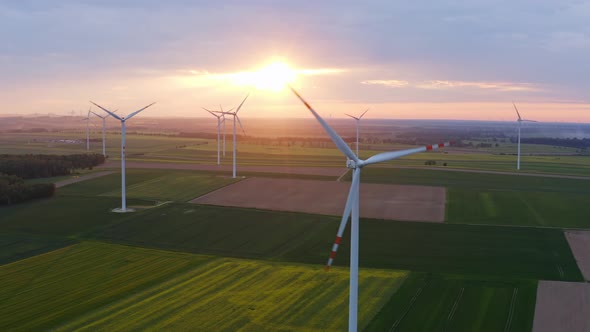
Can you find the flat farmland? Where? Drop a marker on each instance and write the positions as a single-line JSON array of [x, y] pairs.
[[432, 302], [174, 187], [476, 181], [18, 246], [413, 203], [579, 242], [227, 168], [562, 306], [43, 292], [152, 184], [64, 215], [524, 208], [514, 252], [94, 286]]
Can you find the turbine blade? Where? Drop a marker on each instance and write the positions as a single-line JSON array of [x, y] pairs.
[[385, 156], [215, 115], [134, 113], [342, 146], [516, 109], [110, 113], [100, 116], [360, 117], [240, 122], [342, 227], [525, 120], [237, 110], [354, 117]]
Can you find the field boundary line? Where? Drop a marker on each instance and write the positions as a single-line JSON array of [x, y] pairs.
[[343, 174], [213, 191], [468, 170]]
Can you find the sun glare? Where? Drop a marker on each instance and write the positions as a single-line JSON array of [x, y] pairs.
[[273, 77]]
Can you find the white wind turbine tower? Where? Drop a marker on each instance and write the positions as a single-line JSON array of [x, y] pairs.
[[519, 120], [104, 126], [235, 115], [123, 119], [220, 119], [224, 132], [352, 204], [358, 122], [87, 119]]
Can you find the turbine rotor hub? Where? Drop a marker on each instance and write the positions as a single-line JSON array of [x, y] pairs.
[[351, 164]]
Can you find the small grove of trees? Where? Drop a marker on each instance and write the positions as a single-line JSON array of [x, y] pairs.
[[28, 166], [14, 190]]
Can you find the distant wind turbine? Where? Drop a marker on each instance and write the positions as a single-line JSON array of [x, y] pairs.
[[352, 203], [104, 125], [220, 119], [519, 120], [87, 119], [358, 121], [235, 115], [123, 119], [221, 108]]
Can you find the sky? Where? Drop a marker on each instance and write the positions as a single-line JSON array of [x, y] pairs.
[[447, 59]]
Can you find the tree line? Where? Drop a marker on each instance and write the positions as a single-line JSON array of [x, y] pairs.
[[13, 189], [15, 168], [29, 166]]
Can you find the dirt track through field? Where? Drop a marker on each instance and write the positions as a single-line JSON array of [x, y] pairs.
[[321, 171], [579, 242], [64, 183], [380, 201], [562, 306]]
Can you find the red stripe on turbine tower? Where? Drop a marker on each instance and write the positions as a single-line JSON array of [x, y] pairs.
[[429, 147], [441, 145]]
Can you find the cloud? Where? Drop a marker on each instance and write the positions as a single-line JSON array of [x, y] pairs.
[[445, 84], [388, 83]]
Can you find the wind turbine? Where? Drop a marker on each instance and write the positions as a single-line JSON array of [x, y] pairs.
[[220, 118], [519, 120], [87, 119], [352, 203], [104, 125], [123, 119], [358, 121], [221, 108], [235, 115]]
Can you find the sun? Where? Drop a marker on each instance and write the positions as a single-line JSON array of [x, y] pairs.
[[272, 77]]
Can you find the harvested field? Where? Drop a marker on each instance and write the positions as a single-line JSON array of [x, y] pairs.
[[320, 171], [379, 201], [562, 306], [579, 242]]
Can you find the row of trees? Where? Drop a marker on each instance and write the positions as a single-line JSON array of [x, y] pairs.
[[28, 166], [14, 190]]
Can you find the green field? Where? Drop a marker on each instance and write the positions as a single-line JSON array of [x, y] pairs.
[[545, 209], [174, 187], [498, 199], [202, 151], [67, 263], [469, 249], [94, 286], [428, 302], [14, 247]]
